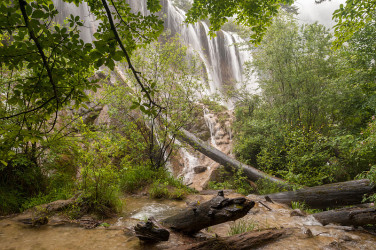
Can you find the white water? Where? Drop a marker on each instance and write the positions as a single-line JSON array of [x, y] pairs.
[[210, 123], [223, 60], [190, 161]]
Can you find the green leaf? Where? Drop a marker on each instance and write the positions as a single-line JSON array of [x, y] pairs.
[[37, 14]]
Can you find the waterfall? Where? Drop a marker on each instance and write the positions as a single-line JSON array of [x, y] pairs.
[[223, 60], [66, 9]]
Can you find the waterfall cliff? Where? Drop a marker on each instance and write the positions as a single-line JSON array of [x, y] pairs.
[[223, 66], [222, 59]]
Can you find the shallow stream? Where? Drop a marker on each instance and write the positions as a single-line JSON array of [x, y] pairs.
[[306, 233]]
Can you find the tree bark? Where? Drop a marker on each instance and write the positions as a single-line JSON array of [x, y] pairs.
[[326, 196], [151, 232], [242, 241], [213, 212], [252, 173], [348, 216]]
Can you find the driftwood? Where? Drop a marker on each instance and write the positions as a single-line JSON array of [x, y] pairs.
[[252, 173], [151, 232], [348, 216], [38, 215], [213, 212], [248, 240], [330, 195]]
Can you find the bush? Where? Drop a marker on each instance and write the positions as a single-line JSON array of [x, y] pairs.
[[159, 190], [238, 182], [265, 186], [137, 177], [99, 175]]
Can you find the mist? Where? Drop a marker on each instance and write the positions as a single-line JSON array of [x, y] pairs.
[[310, 12]]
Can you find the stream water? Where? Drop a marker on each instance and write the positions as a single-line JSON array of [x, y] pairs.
[[305, 232]]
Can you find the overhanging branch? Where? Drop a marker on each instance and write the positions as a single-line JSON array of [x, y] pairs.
[[135, 73]]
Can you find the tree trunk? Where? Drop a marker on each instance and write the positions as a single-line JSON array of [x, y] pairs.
[[348, 216], [248, 240], [330, 195], [213, 212], [252, 173]]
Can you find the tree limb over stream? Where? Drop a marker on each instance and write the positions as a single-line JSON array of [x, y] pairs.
[[252, 173]]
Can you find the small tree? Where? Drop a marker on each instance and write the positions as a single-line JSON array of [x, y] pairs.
[[176, 86]]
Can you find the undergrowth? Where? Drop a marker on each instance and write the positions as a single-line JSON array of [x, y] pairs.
[[238, 181], [242, 226]]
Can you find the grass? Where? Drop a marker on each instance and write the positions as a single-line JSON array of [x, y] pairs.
[[242, 226], [304, 207], [161, 183]]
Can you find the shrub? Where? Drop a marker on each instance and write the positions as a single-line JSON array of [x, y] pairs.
[[265, 186], [238, 181]]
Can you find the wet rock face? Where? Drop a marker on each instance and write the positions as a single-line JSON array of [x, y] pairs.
[[214, 128]]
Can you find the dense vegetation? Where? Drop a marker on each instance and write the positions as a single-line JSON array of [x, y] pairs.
[[314, 122]]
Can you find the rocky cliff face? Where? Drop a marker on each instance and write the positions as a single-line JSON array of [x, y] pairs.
[[195, 168]]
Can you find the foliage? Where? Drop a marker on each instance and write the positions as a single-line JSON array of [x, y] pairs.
[[54, 194], [309, 124], [242, 226], [265, 186], [176, 86], [255, 14], [46, 67], [99, 175], [303, 206], [238, 181], [159, 190], [352, 17]]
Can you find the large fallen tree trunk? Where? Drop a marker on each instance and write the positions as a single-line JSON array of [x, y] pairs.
[[213, 212], [248, 240], [330, 195], [348, 216], [252, 173]]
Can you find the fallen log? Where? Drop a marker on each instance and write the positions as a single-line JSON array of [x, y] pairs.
[[39, 215], [252, 173], [347, 216], [213, 212], [151, 232], [248, 240], [329, 195]]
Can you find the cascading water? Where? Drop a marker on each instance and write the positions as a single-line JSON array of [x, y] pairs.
[[222, 59], [66, 9], [210, 123], [223, 62]]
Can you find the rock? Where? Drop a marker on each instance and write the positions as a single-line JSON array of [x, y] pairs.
[[334, 245], [297, 212], [199, 169], [307, 232], [88, 222]]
